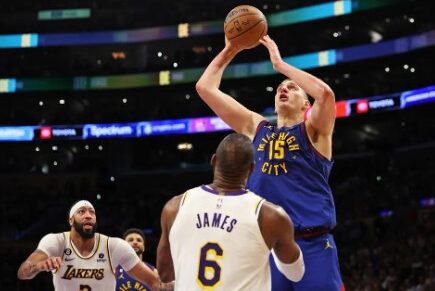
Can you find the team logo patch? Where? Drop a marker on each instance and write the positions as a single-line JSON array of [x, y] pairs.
[[219, 203], [101, 257], [328, 245], [67, 251]]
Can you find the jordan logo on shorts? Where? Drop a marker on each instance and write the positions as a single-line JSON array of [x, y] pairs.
[[328, 245]]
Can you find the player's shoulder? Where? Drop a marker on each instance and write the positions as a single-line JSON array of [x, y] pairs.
[[55, 237], [116, 241], [273, 212], [52, 244], [174, 203], [117, 244]]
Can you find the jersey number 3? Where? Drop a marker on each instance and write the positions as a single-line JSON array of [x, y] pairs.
[[209, 271]]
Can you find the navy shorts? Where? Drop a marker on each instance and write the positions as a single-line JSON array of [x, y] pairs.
[[322, 271]]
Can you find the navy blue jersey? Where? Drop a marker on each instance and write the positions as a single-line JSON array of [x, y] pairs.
[[292, 174], [126, 283]]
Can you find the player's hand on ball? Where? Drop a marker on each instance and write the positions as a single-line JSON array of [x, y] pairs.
[[232, 46]]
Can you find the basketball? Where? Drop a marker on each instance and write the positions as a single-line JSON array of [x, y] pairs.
[[244, 25]]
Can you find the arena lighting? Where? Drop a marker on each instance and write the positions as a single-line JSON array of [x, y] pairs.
[[417, 96], [344, 108], [119, 55], [427, 202], [64, 14], [183, 30], [386, 213], [16, 133], [329, 57], [185, 146]]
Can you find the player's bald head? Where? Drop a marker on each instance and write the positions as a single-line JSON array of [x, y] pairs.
[[234, 155]]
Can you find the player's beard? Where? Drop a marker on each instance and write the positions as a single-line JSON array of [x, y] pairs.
[[139, 252], [85, 233]]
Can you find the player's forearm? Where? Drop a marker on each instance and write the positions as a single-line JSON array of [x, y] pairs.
[[166, 273], [150, 278], [143, 273], [212, 75], [164, 286], [312, 85], [28, 270]]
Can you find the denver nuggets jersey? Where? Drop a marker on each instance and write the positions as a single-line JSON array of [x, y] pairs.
[[216, 242], [90, 273], [126, 283], [291, 173]]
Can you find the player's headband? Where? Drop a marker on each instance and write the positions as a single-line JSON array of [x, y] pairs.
[[81, 203]]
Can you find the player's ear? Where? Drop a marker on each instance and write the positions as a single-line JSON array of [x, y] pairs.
[[213, 160]]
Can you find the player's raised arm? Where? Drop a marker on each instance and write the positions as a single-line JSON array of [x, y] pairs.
[[237, 116], [322, 119]]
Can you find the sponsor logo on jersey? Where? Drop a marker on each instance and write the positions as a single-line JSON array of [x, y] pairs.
[[101, 258]]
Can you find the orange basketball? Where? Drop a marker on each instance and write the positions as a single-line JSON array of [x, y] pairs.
[[245, 25]]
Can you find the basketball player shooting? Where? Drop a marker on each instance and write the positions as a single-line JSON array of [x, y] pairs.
[[293, 157]]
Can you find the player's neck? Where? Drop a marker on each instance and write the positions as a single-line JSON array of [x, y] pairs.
[[83, 245], [289, 120], [222, 186]]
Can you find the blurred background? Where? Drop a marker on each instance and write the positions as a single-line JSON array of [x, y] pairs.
[[97, 102]]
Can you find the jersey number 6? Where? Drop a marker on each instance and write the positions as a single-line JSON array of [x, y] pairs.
[[209, 271]]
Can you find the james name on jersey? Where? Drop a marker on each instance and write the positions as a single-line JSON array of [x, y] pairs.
[[218, 220]]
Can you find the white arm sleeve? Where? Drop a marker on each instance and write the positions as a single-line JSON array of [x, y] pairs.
[[293, 271], [122, 254], [52, 244]]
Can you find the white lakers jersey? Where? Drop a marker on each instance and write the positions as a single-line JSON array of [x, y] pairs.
[[216, 242], [91, 273]]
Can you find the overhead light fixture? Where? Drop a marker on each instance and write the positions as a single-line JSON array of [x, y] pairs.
[[119, 55], [185, 146], [375, 36]]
